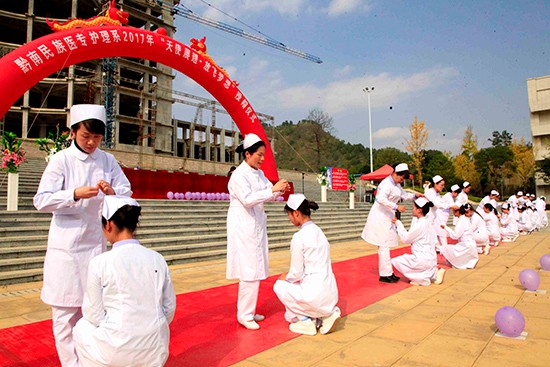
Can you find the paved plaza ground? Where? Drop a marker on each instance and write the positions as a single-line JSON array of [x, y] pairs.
[[447, 325]]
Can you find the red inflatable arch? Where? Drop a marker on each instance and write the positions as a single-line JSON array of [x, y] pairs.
[[32, 62]]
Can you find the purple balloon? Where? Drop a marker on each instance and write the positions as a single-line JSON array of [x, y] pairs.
[[530, 279], [176, 196], [280, 198], [218, 196], [188, 195], [203, 196], [545, 262], [209, 196], [197, 195], [510, 321], [170, 195]]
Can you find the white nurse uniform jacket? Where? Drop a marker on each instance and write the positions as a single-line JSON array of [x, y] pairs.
[[310, 288], [379, 229], [463, 255], [128, 305], [247, 250], [75, 235], [420, 266]]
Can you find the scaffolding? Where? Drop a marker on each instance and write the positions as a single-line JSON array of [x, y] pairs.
[[109, 68]]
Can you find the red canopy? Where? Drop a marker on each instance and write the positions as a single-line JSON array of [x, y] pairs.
[[380, 174]]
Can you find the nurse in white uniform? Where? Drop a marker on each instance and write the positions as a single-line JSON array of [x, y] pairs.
[[379, 229], [439, 214], [462, 197], [420, 267], [463, 255], [129, 299], [72, 188], [247, 250], [509, 230], [308, 291]]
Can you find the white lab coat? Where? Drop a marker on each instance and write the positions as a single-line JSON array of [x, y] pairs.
[[479, 229], [513, 201], [310, 288], [379, 229], [525, 223], [509, 225], [541, 211], [128, 305], [439, 213], [463, 255], [420, 266], [493, 228], [75, 235], [461, 198], [247, 249]]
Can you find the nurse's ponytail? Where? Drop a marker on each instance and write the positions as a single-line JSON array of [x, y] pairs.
[[126, 217], [305, 207]]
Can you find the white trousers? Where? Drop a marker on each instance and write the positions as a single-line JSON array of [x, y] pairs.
[[248, 297], [64, 319], [384, 261]]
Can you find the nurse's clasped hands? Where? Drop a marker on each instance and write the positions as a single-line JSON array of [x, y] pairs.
[[86, 192], [281, 185]]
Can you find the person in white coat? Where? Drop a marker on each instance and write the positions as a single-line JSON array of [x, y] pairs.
[[379, 229], [308, 291], [509, 230], [439, 214], [540, 204], [462, 197], [247, 249], [492, 223], [129, 300], [479, 229], [420, 267], [72, 187], [514, 202], [463, 255], [492, 199]]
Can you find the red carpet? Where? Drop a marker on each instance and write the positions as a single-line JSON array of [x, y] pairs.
[[205, 331]]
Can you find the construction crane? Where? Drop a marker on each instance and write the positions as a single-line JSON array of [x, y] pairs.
[[180, 10]]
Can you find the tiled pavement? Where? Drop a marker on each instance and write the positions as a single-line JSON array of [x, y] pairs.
[[447, 325]]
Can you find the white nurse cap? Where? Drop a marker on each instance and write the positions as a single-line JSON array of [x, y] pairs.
[[250, 140], [112, 203], [455, 187], [494, 192], [81, 112], [421, 201], [465, 184], [295, 200], [520, 193], [437, 178], [401, 167]]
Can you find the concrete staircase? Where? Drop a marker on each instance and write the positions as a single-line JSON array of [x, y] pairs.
[[182, 231]]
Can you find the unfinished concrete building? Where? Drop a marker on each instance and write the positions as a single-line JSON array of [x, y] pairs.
[[138, 93]]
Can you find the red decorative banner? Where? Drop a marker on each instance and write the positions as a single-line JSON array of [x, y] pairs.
[[337, 178]]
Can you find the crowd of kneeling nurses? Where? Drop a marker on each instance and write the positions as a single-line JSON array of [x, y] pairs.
[[475, 231]]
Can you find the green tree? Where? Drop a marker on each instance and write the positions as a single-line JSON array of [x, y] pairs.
[[320, 125], [437, 163], [501, 139], [495, 164], [389, 156]]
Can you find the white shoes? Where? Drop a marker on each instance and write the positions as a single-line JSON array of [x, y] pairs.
[[328, 322], [250, 325], [306, 327], [439, 276], [486, 249]]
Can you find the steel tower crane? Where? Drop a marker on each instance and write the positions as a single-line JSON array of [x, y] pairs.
[[185, 12]]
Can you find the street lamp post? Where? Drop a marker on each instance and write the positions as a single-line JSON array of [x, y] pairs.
[[368, 90]]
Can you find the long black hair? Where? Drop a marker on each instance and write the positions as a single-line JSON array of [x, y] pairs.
[[426, 208]]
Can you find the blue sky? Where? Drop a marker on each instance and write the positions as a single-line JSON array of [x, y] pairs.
[[451, 63]]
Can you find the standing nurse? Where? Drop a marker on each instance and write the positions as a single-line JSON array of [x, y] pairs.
[[72, 188], [247, 250], [379, 229]]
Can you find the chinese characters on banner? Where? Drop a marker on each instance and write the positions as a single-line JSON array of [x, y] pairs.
[[337, 178]]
